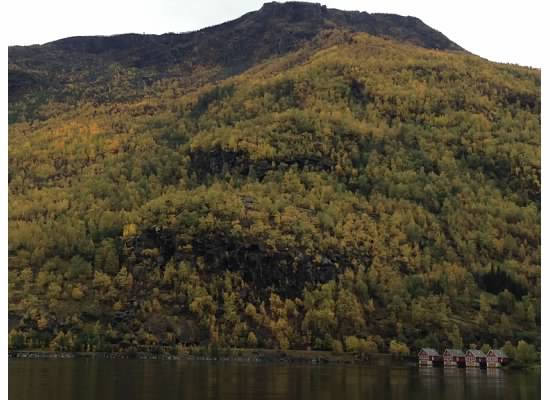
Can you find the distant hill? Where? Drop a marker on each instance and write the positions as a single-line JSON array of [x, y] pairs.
[[298, 178]]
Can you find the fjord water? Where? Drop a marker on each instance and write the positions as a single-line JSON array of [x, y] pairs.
[[83, 379]]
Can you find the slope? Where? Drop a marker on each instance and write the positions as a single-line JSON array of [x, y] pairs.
[[124, 67], [370, 189]]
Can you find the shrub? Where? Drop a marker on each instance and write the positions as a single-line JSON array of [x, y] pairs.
[[361, 346], [525, 353], [251, 340], [16, 340], [399, 349], [337, 346], [352, 343]]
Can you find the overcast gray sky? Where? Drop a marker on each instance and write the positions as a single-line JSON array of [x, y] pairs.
[[504, 31]]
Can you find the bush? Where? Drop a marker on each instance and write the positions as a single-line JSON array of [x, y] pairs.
[[367, 346], [251, 340], [399, 349], [352, 343], [361, 346], [509, 349], [337, 346], [16, 340], [62, 342], [525, 353]]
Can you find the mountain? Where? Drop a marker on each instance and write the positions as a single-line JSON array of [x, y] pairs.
[[95, 62], [350, 188]]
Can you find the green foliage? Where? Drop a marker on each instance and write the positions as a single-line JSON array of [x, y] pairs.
[[352, 343], [509, 349], [399, 349], [525, 353], [360, 346], [337, 346], [62, 342], [16, 340], [455, 338], [251, 340], [106, 257], [372, 195]]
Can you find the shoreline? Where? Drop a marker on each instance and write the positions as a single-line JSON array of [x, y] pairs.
[[230, 355], [259, 356]]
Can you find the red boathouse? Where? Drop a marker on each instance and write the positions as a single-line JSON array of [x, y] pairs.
[[428, 357], [454, 358], [497, 358], [475, 358]]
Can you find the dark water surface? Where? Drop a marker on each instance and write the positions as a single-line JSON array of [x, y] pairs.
[[102, 379]]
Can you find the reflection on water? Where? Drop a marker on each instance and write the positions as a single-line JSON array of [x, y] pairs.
[[495, 373], [453, 371], [151, 379]]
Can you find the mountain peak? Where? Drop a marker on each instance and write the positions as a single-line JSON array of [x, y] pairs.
[[392, 26], [292, 6]]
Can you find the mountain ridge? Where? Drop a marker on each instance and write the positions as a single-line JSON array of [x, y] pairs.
[[225, 49], [288, 8]]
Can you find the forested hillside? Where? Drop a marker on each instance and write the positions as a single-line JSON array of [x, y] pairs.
[[355, 191], [110, 69]]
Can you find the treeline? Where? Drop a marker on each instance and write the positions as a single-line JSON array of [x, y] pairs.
[[374, 197]]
